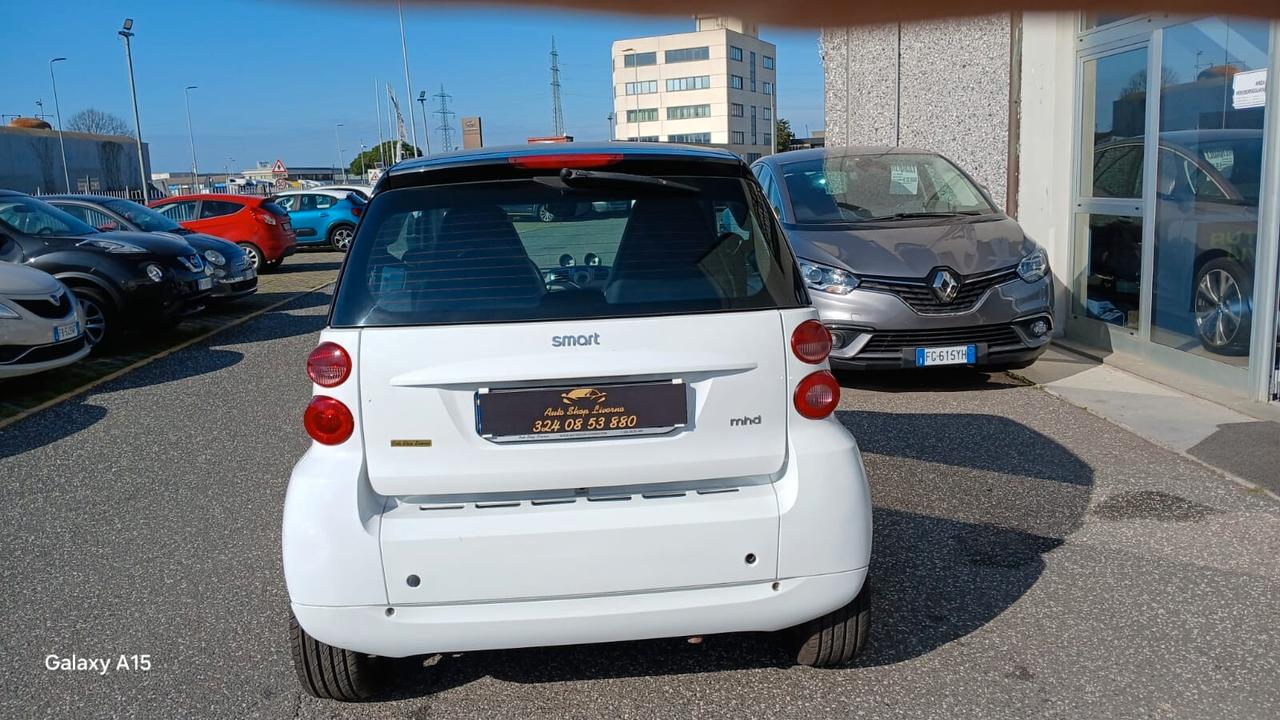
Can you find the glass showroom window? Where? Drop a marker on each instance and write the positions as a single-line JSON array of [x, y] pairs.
[[685, 112], [639, 59], [1209, 170], [688, 54], [642, 115]]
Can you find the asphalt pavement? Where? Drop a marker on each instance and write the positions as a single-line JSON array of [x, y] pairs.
[[1031, 560]]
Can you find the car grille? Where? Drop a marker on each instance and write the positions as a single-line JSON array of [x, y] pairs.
[[896, 342], [917, 294], [192, 262], [10, 354], [46, 309]]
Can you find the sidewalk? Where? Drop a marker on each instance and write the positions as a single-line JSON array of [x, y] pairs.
[[1246, 448]]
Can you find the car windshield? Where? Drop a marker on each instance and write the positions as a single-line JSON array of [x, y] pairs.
[[520, 250], [860, 188], [32, 217], [144, 217]]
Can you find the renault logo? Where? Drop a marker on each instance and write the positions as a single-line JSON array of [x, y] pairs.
[[944, 284]]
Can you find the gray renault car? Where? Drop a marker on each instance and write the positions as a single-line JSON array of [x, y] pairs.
[[908, 260]]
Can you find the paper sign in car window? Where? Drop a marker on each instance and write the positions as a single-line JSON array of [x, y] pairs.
[[903, 180], [1223, 159]]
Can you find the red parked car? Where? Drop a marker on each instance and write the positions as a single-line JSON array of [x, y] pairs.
[[261, 227]]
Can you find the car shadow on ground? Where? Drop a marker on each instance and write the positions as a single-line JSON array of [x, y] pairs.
[[301, 264], [931, 380], [966, 507], [48, 428]]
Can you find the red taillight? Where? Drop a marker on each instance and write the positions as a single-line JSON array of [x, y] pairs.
[[328, 421], [566, 160], [357, 211], [263, 217], [817, 395], [328, 365], [811, 342]]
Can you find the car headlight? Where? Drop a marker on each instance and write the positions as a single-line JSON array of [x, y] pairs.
[[827, 279], [155, 272], [215, 257], [111, 246], [1034, 265], [8, 313]]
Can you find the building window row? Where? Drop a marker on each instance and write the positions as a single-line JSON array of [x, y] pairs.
[[639, 59], [767, 62], [737, 137], [768, 88], [703, 138], [684, 112], [688, 54], [736, 110], [697, 82], [643, 138], [735, 53], [735, 82], [767, 114], [642, 88], [642, 115]]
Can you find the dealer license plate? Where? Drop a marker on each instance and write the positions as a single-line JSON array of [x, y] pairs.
[[66, 332], [581, 411], [954, 355]]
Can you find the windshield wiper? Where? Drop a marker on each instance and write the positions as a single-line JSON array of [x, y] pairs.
[[910, 215], [593, 178]]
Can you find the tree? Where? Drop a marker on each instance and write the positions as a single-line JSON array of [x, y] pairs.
[[783, 135], [97, 122], [1137, 84], [370, 158]]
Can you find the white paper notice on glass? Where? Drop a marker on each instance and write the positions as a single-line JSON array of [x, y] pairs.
[[903, 180], [1249, 89]]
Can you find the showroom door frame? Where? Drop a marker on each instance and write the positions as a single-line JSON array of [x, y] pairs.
[[1258, 380]]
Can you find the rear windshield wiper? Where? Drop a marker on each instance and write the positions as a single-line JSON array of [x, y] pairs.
[[593, 178]]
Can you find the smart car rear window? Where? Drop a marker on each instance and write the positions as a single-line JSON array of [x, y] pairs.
[[528, 249]]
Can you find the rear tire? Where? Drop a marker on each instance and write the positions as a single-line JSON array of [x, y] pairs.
[[834, 639], [255, 256], [274, 264], [340, 237], [332, 673]]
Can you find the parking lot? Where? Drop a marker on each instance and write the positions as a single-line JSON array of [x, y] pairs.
[[1031, 560]]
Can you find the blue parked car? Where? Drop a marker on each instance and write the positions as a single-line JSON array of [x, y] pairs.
[[322, 217]]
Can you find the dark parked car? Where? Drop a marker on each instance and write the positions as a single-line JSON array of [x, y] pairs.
[[908, 260], [230, 266], [120, 279]]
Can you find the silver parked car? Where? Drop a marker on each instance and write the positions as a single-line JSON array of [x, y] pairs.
[[40, 323], [908, 260]]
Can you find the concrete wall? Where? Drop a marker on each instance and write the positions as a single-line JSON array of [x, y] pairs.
[[942, 86], [30, 160]]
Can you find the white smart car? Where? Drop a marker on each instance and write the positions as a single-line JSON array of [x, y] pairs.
[[603, 429]]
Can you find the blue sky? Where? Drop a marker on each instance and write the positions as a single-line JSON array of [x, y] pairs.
[[275, 76]]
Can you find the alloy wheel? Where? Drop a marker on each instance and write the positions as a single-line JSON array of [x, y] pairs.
[[1220, 308], [342, 238], [95, 320], [545, 214]]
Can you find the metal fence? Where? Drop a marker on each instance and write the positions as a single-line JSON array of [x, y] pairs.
[[131, 194]]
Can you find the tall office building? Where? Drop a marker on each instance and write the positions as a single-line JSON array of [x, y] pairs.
[[713, 86]]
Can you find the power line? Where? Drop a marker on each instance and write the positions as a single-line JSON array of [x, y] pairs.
[[557, 112], [446, 119]]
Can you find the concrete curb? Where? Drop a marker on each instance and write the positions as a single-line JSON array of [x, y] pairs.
[[1246, 484], [151, 358]]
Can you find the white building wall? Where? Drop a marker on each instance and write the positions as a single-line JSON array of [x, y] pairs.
[[719, 67]]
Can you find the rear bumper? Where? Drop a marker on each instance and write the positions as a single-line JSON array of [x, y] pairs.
[[416, 630]]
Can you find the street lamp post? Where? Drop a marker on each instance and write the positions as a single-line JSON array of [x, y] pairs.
[[191, 137], [127, 32], [426, 129], [338, 143], [66, 174], [363, 169]]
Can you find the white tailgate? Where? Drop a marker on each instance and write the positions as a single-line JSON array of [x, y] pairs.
[[420, 383]]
